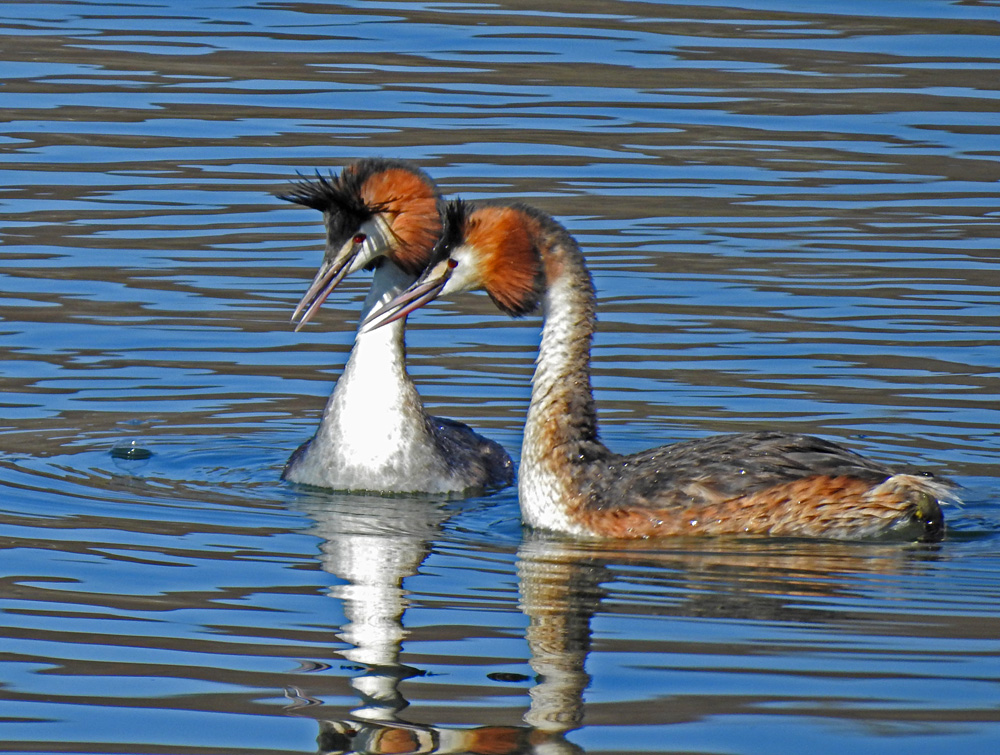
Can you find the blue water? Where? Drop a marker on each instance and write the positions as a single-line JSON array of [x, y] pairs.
[[790, 211]]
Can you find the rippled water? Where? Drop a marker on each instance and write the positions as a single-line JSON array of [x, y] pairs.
[[791, 212]]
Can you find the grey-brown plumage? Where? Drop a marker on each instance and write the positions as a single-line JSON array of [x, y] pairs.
[[726, 466]]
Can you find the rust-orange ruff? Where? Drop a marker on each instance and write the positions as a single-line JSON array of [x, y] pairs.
[[411, 207], [509, 257], [404, 199]]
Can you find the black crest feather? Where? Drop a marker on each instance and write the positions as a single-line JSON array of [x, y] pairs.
[[339, 197], [456, 213]]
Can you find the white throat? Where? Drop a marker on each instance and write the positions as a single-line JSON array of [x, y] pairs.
[[368, 408], [374, 419]]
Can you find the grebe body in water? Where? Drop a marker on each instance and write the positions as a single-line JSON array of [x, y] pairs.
[[375, 435], [762, 483]]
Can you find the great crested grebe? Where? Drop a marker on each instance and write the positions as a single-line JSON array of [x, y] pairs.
[[762, 482], [375, 434]]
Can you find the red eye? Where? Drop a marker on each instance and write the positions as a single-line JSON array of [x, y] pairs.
[[452, 263], [359, 238]]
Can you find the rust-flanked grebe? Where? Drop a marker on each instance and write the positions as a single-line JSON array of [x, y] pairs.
[[762, 482], [375, 434]]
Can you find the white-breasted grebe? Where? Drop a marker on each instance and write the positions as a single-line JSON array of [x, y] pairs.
[[762, 482], [375, 434]]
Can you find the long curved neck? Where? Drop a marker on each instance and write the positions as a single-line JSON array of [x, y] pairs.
[[561, 388], [387, 282], [375, 377], [561, 428], [386, 344]]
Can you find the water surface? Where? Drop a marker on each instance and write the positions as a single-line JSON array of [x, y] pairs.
[[790, 211]]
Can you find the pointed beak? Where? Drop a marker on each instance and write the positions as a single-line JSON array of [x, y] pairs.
[[427, 288], [328, 277]]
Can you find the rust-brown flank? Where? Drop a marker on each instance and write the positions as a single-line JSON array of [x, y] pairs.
[[812, 507], [410, 205]]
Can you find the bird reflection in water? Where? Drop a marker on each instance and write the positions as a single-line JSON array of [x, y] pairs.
[[374, 544]]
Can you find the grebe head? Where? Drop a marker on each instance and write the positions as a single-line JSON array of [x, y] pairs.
[[375, 208], [483, 247]]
